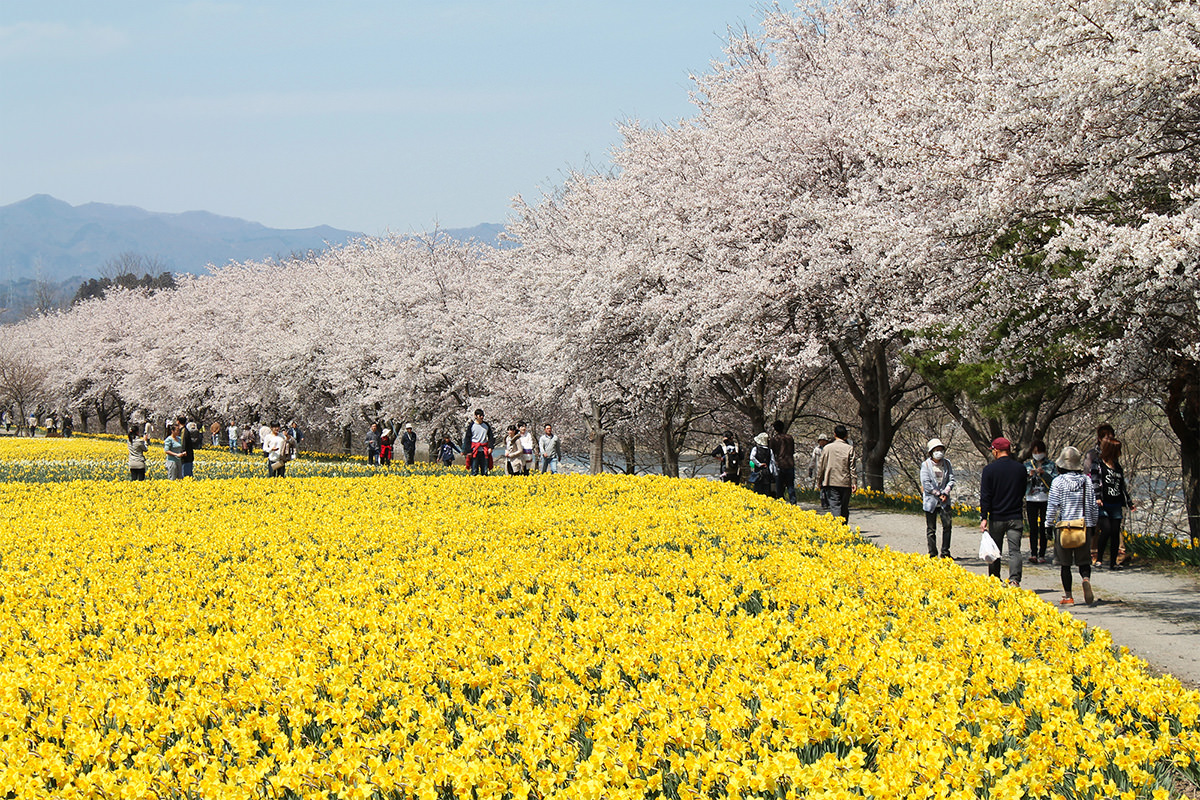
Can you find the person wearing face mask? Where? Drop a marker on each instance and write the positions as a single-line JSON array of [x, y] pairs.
[[937, 482], [1042, 473]]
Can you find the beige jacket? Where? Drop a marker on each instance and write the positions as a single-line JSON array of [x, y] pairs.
[[837, 465]]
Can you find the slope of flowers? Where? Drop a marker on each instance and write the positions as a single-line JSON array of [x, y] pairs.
[[562, 635], [106, 458]]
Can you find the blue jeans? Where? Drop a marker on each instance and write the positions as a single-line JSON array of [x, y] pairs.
[[185, 469], [550, 464]]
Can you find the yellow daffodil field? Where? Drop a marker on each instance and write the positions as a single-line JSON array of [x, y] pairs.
[[106, 458], [441, 636]]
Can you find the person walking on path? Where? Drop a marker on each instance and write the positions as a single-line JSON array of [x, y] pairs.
[[762, 465], [1112, 498], [1072, 498], [137, 454], [814, 466], [784, 448], [549, 450], [408, 443], [1041, 472], [937, 482], [839, 478], [373, 441], [478, 441], [173, 447], [1001, 491], [1091, 468], [729, 458]]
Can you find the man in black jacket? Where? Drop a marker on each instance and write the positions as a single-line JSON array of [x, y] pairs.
[[1001, 494], [408, 443]]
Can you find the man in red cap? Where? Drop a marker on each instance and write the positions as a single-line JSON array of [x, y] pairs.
[[1001, 492]]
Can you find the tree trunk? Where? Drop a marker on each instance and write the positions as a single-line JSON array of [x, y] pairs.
[[879, 396], [1183, 413], [83, 418], [595, 417], [102, 415], [347, 439], [875, 414], [745, 390], [629, 451], [595, 451], [122, 416]]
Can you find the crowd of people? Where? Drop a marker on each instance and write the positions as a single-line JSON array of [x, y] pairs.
[[771, 462], [1074, 506], [279, 445], [522, 453]]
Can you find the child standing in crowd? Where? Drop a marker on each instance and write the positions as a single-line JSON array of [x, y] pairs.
[[446, 451]]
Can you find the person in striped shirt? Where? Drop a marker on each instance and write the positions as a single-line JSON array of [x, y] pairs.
[[1072, 496]]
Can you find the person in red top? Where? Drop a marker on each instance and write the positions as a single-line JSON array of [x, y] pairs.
[[784, 447], [386, 448]]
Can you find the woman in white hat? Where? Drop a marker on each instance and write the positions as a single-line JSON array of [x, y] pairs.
[[762, 466], [1072, 511], [937, 482]]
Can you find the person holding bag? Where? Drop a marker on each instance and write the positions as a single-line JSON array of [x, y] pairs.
[[762, 466], [937, 483], [1072, 512]]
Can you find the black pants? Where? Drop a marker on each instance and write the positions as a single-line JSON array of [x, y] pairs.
[[1085, 573], [1110, 536], [931, 521], [785, 484], [839, 501], [137, 473], [1035, 512]]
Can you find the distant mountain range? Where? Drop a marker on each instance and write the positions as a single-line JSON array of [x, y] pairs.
[[45, 239]]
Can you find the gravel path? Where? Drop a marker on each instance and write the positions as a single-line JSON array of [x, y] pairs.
[[1153, 613]]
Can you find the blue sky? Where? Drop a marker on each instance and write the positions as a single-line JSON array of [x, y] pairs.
[[362, 115]]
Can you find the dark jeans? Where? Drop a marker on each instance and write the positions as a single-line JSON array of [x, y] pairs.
[[839, 501], [410, 457], [479, 465], [931, 521], [1035, 512], [137, 473], [785, 484], [1110, 537], [185, 469]]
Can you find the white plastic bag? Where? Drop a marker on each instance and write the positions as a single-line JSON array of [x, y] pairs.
[[987, 548]]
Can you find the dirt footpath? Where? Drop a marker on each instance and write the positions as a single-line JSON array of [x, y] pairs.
[[1154, 614]]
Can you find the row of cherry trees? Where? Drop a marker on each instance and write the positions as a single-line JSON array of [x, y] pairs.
[[992, 206]]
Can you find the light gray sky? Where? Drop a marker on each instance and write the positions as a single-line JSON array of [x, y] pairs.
[[365, 115]]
